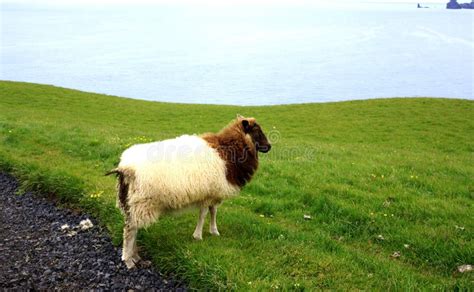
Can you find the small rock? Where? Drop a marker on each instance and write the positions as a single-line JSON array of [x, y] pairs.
[[71, 233], [464, 268], [396, 254], [307, 217], [406, 246], [64, 227], [380, 237], [86, 224]]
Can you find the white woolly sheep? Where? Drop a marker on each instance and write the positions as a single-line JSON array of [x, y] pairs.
[[188, 171]]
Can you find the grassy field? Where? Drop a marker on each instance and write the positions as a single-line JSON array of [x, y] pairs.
[[376, 176]]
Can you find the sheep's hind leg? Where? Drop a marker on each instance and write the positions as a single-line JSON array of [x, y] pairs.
[[129, 252], [135, 256], [202, 216], [213, 225]]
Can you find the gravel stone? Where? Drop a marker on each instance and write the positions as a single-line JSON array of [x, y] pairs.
[[36, 253]]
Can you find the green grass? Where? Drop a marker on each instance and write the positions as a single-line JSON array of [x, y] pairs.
[[400, 168]]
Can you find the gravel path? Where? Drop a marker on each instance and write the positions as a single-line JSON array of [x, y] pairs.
[[36, 253]]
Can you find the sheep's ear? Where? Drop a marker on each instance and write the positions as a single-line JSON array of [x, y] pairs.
[[246, 126]]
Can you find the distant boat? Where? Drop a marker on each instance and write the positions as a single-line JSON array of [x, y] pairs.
[[419, 6]]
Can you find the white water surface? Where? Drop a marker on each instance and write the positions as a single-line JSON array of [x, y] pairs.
[[242, 54]]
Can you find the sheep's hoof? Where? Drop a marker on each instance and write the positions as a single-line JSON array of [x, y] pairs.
[[144, 264], [214, 232], [197, 236], [130, 263], [136, 258]]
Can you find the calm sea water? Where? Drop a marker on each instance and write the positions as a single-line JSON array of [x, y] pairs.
[[246, 54]]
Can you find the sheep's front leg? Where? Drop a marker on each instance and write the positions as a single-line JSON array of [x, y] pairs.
[[213, 226], [129, 251], [202, 216]]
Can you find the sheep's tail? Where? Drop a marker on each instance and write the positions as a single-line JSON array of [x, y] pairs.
[[113, 171], [122, 188]]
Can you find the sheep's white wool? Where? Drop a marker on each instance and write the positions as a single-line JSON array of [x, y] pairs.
[[174, 174]]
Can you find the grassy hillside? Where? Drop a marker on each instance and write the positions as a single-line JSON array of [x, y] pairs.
[[377, 177]]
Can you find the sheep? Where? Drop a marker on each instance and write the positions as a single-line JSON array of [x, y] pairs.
[[188, 171]]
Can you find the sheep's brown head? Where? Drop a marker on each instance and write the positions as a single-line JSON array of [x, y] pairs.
[[250, 127]]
